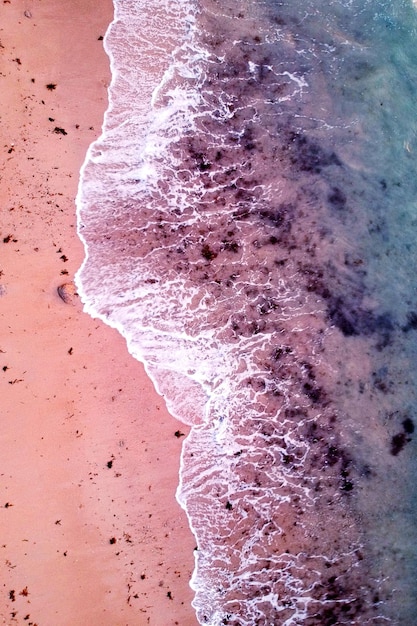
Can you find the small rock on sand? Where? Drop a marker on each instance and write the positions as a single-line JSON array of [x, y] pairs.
[[68, 293]]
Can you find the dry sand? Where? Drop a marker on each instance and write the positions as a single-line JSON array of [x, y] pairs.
[[90, 532]]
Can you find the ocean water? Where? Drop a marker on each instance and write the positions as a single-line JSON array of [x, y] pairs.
[[249, 216]]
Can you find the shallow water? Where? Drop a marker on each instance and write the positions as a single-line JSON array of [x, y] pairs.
[[249, 221]]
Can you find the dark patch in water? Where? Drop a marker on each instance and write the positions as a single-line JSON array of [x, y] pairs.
[[338, 614], [275, 217], [308, 155], [231, 246], [345, 467], [278, 352], [351, 319], [313, 392], [337, 198], [411, 322], [380, 380], [408, 425], [398, 442], [208, 253], [346, 312], [333, 455]]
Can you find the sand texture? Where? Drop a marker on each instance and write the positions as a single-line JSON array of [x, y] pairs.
[[90, 532]]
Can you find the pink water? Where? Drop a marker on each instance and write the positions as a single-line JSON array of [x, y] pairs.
[[231, 214]]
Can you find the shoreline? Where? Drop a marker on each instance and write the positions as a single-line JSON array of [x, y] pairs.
[[91, 530]]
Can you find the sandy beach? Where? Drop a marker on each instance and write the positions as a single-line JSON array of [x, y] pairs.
[[90, 531]]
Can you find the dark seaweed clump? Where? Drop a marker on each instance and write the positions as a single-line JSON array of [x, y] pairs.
[[336, 455], [345, 311], [308, 156], [411, 322], [352, 319], [399, 440], [337, 198]]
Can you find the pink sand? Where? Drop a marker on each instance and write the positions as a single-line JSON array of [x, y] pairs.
[[90, 532]]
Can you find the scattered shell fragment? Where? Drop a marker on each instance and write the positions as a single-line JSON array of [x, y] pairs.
[[67, 292], [27, 14]]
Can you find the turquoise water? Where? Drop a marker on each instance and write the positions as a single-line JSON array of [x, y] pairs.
[[249, 218]]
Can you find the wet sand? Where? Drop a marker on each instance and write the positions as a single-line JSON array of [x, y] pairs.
[[90, 529]]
